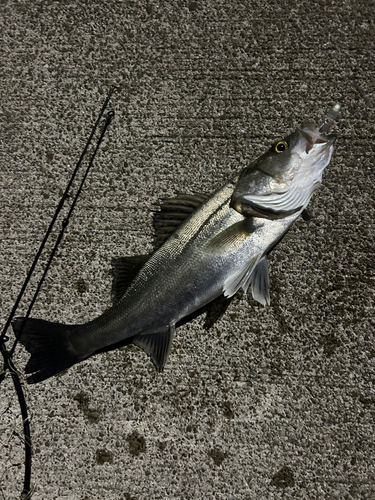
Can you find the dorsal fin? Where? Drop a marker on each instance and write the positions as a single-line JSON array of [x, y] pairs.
[[124, 270], [173, 212]]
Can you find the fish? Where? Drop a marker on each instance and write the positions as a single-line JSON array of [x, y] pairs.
[[207, 248]]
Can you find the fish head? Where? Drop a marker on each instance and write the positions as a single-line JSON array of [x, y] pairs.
[[282, 181]]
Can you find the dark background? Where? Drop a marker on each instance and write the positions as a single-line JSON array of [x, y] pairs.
[[273, 402]]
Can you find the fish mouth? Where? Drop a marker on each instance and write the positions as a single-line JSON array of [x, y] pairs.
[[311, 138]]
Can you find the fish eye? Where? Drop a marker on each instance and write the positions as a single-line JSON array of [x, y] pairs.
[[280, 146]]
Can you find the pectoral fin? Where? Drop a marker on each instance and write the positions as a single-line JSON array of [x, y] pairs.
[[260, 282], [157, 346], [226, 244], [231, 238]]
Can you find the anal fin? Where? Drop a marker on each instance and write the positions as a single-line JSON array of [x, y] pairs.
[[157, 345]]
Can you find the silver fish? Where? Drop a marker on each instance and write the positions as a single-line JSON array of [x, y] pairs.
[[214, 246]]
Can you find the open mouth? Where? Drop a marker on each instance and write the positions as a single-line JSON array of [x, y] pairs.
[[314, 138]]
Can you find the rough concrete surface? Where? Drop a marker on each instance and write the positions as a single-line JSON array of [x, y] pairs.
[[269, 403]]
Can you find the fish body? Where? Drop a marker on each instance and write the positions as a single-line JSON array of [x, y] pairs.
[[220, 248], [213, 252]]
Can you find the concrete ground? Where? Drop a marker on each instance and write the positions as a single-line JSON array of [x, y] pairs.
[[269, 403]]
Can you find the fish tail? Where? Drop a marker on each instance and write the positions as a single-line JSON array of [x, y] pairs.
[[48, 344]]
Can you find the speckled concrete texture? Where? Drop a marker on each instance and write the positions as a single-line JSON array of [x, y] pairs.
[[269, 403]]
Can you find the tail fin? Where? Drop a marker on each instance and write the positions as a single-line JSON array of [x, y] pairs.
[[48, 345]]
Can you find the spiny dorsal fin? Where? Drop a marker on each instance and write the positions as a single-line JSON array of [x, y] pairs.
[[125, 269], [157, 346], [173, 212]]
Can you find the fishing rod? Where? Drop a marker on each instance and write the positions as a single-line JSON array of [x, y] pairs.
[[61, 234], [7, 355], [57, 212]]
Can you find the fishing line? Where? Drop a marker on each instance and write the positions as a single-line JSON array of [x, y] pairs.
[[7, 355]]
